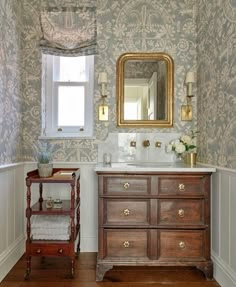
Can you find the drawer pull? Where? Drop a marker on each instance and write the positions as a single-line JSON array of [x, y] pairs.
[[38, 251], [181, 187], [60, 251], [126, 185], [181, 213], [126, 212], [126, 244], [182, 245]]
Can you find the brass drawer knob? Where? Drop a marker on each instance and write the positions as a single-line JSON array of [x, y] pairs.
[[182, 244], [181, 213], [181, 187], [126, 244], [126, 185], [38, 251], [126, 212], [60, 251]]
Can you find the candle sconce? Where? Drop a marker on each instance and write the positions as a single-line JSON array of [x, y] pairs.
[[103, 107], [187, 110]]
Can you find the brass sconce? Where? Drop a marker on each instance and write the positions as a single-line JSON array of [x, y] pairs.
[[187, 110], [103, 108]]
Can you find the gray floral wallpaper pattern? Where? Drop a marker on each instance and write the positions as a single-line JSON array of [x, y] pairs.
[[199, 35], [10, 81], [134, 25], [216, 49]]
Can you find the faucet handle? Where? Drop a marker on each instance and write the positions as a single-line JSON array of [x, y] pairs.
[[146, 143], [158, 144]]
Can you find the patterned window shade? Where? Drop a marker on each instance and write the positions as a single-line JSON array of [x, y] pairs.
[[69, 31]]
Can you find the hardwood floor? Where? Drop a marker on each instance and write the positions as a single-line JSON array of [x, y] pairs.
[[56, 271]]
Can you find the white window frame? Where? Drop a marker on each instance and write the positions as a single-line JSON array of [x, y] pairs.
[[50, 129]]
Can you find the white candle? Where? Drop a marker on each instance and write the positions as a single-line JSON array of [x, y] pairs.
[[189, 89]]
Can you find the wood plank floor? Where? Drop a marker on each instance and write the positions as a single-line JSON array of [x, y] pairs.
[[56, 271]]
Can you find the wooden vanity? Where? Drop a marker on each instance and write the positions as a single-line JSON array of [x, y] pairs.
[[154, 218]]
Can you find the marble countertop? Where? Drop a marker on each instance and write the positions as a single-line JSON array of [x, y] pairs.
[[152, 167]]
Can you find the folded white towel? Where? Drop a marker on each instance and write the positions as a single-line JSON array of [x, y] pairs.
[[63, 230], [51, 236], [50, 221]]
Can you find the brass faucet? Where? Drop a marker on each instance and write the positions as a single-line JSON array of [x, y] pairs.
[[146, 143]]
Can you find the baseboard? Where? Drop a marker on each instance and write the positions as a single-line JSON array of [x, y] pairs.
[[223, 274], [10, 256], [88, 244]]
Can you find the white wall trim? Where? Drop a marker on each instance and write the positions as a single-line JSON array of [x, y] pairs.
[[223, 273], [10, 256], [220, 168], [10, 166]]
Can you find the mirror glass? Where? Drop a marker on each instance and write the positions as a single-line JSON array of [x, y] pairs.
[[144, 90]]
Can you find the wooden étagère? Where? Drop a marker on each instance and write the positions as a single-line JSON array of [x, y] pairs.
[[69, 208]]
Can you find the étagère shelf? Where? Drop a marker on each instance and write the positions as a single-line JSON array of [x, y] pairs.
[[38, 216]]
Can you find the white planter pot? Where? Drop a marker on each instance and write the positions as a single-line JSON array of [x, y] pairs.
[[45, 169]]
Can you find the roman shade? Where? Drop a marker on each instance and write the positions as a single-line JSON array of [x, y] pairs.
[[68, 31]]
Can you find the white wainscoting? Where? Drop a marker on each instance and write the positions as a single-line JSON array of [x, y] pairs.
[[224, 226], [12, 213], [13, 203]]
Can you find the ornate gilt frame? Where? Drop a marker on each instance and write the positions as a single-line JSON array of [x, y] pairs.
[[121, 122]]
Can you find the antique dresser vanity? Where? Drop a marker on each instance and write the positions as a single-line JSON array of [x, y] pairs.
[[157, 216]]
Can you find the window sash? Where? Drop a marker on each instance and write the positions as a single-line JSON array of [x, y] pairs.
[[49, 125]]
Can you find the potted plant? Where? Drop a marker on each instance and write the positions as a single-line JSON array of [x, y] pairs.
[[45, 167]]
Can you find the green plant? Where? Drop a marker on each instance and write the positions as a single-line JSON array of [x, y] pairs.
[[44, 157], [44, 154]]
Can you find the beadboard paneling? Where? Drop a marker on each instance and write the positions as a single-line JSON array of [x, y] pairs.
[[223, 226], [12, 214], [12, 217]]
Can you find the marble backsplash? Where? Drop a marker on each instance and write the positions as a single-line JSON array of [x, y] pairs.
[[120, 145]]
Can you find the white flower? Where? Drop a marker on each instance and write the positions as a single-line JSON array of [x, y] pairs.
[[186, 139], [180, 148], [175, 142]]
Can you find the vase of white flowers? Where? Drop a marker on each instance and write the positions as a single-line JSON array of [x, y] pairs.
[[183, 146]]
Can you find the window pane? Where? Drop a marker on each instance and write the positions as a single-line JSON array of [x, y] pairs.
[[71, 106], [71, 69]]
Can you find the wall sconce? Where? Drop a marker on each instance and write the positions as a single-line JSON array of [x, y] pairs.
[[187, 110], [103, 108]]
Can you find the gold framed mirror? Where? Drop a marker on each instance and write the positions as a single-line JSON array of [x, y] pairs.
[[144, 89]]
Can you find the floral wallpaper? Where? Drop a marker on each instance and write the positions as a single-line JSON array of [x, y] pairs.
[[216, 50], [199, 35], [10, 81], [123, 26]]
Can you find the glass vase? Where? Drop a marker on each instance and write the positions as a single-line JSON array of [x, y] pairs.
[[179, 157]]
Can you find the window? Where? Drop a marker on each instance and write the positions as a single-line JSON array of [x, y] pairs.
[[67, 96]]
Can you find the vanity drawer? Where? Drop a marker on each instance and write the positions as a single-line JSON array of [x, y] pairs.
[[125, 243], [126, 212], [188, 245], [126, 185], [181, 211], [182, 185]]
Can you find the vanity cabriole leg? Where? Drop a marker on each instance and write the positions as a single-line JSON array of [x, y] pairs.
[[207, 269], [101, 269]]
